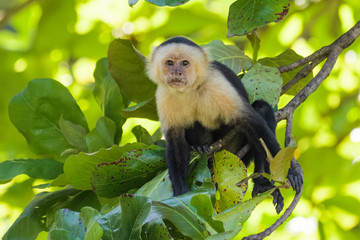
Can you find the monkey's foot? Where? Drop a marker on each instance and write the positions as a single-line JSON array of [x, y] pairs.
[[201, 149], [296, 179], [262, 184]]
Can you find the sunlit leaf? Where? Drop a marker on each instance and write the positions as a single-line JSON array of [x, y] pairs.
[[131, 171], [228, 171], [45, 168], [246, 16], [279, 166], [229, 55], [36, 113], [263, 82]]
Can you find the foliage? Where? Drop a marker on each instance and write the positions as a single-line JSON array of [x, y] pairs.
[[323, 124]]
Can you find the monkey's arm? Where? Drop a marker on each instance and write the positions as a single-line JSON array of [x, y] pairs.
[[177, 158]]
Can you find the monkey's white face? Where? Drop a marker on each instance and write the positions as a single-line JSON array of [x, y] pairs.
[[178, 71], [178, 66]]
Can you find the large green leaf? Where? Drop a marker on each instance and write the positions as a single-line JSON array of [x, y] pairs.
[[126, 222], [229, 55], [79, 168], [263, 82], [127, 67], [45, 168], [36, 112], [246, 16], [108, 95], [228, 171], [40, 212], [102, 136], [283, 59], [131, 171]]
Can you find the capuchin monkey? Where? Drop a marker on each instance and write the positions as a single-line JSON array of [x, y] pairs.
[[198, 101]]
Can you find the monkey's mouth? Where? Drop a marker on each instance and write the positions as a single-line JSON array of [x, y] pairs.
[[176, 82]]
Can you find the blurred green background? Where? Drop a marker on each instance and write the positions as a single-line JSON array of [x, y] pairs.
[[63, 39]]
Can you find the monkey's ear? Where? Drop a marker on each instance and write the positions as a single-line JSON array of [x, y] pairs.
[[207, 53]]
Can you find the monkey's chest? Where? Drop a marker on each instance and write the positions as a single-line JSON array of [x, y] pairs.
[[211, 109]]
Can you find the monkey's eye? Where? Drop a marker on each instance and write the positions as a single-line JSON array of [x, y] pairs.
[[169, 62], [185, 63]]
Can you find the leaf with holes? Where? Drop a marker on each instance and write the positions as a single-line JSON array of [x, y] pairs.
[[228, 171]]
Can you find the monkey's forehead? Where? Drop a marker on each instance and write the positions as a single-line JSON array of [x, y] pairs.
[[177, 50]]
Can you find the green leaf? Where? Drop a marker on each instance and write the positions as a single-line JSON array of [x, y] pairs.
[[205, 209], [145, 109], [279, 166], [157, 189], [246, 16], [133, 213], [142, 135], [199, 173], [45, 168], [78, 168], [36, 112], [93, 229], [171, 3], [283, 59], [234, 217], [229, 55], [132, 2], [155, 229], [40, 212], [182, 214], [67, 225], [263, 82], [228, 171], [75, 225], [74, 134], [102, 136], [109, 97], [127, 67], [134, 169]]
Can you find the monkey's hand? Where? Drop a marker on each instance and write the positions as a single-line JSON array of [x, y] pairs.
[[296, 179], [201, 149], [262, 184]]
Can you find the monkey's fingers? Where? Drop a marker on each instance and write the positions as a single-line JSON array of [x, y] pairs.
[[296, 180], [278, 201], [201, 149]]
